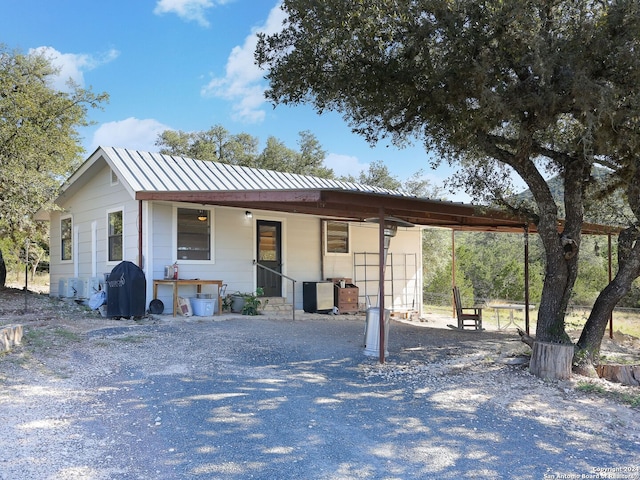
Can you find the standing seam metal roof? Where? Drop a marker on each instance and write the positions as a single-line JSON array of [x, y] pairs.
[[146, 171]]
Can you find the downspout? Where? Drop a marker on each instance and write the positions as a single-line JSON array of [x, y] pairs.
[[140, 259]]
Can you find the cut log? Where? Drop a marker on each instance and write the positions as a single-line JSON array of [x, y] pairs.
[[528, 339], [551, 360], [624, 374]]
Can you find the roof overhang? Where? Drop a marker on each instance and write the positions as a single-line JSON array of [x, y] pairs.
[[356, 206]]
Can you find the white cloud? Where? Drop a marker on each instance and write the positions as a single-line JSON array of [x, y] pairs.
[[343, 165], [72, 65], [189, 10], [242, 81], [130, 133]]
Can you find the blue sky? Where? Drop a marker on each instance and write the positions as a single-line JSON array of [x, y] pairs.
[[184, 65]]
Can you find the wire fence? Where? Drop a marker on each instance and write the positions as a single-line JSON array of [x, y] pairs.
[[446, 299]]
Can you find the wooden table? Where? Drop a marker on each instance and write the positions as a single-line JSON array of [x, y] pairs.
[[510, 307], [197, 282]]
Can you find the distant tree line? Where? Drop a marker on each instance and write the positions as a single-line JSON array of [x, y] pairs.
[[490, 267]]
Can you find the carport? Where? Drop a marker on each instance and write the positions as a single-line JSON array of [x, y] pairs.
[[358, 206]]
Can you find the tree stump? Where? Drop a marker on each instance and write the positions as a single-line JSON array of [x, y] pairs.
[[551, 360], [624, 374]]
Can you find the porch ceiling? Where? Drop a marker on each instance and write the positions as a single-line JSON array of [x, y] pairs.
[[356, 206]]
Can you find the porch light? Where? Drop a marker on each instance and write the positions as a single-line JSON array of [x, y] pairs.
[[391, 224], [248, 214], [202, 216]]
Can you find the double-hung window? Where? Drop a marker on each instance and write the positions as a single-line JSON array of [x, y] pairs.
[[66, 238], [114, 220], [337, 237], [193, 234]]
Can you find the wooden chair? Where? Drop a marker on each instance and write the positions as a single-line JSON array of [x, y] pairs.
[[467, 317]]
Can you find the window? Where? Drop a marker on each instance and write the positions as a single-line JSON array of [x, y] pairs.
[[66, 241], [114, 220], [337, 237], [194, 234]]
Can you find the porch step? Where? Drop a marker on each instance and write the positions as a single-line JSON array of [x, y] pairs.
[[275, 305]]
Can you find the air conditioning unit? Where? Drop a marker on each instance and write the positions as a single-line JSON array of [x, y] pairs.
[[62, 287], [93, 285], [75, 288]]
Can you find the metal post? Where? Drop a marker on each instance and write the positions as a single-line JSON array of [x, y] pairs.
[[381, 262], [453, 269], [26, 274], [610, 278], [526, 278]]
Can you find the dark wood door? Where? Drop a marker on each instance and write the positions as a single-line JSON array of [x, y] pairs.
[[270, 255]]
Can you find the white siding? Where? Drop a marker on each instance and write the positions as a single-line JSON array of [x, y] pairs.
[[234, 244], [90, 205]]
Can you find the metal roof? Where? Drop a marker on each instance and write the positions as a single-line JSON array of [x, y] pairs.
[[158, 177], [156, 172]]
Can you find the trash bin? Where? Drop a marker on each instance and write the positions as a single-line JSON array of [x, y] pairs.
[[372, 332], [126, 288]]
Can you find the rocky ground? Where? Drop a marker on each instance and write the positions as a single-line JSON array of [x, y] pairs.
[[454, 367]]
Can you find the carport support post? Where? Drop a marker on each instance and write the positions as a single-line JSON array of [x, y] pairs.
[[610, 279], [526, 278], [381, 263]]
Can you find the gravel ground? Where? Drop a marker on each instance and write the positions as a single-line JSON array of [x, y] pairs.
[[268, 398]]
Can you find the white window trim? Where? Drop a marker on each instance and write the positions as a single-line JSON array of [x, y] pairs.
[[326, 241], [73, 246], [109, 211], [174, 236]]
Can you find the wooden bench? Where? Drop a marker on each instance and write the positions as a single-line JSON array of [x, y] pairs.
[[467, 317]]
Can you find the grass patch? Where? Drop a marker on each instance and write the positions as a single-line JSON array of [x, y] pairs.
[[628, 398], [42, 338], [131, 339]]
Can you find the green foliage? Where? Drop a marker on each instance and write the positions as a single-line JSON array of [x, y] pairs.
[[242, 149], [213, 144], [490, 266], [39, 142], [252, 302], [38, 134], [631, 397], [377, 174]]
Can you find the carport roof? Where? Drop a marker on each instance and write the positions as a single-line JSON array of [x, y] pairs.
[[356, 206]]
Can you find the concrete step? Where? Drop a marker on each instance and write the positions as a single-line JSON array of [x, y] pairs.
[[275, 305]]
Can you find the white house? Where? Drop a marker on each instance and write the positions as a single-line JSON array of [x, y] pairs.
[[225, 222]]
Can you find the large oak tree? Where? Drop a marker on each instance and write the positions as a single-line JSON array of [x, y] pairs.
[[535, 87], [39, 141]]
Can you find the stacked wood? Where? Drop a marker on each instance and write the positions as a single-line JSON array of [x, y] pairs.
[[551, 360], [624, 374]]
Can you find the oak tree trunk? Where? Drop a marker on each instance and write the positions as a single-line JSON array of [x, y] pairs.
[[588, 346], [551, 360]]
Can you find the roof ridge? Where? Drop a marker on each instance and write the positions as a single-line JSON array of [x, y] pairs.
[[163, 175]]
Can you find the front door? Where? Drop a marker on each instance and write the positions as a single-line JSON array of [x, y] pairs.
[[270, 255]]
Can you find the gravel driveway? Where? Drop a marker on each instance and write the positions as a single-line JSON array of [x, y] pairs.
[[255, 397]]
